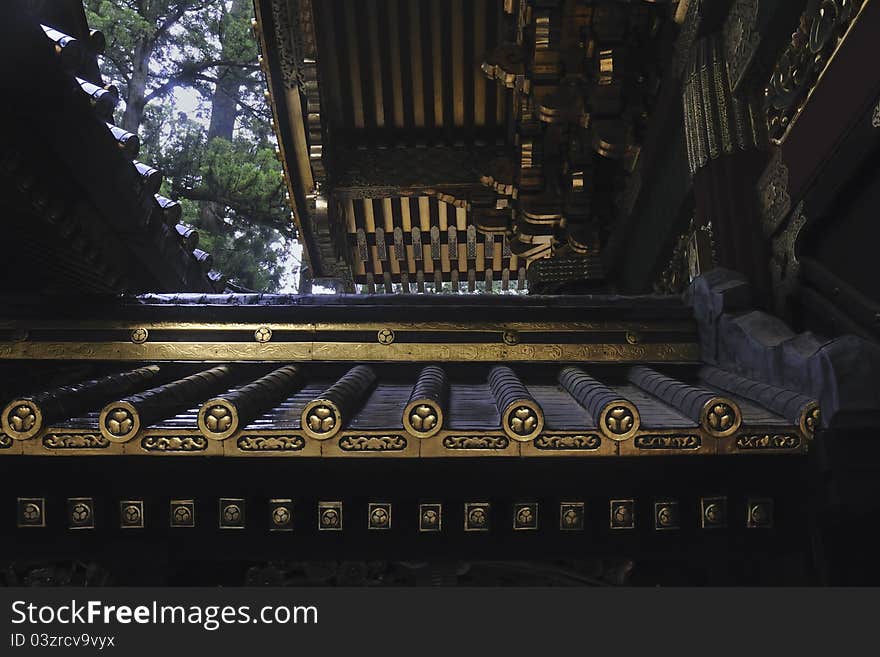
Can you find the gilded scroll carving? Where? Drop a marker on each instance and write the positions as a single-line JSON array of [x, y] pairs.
[[174, 443], [476, 442], [588, 441], [271, 443], [768, 441], [75, 441], [677, 442], [372, 443]]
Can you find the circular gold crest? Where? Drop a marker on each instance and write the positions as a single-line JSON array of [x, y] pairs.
[[721, 417], [139, 335], [21, 419], [619, 420], [263, 334], [218, 419], [321, 419], [423, 418], [31, 512], [379, 517], [330, 518], [510, 337], [119, 422], [523, 420], [477, 517], [385, 336]]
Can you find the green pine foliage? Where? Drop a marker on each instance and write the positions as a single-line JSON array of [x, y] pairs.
[[217, 152]]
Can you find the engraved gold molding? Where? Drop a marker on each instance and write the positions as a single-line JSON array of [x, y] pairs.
[[522, 420], [21, 419], [119, 422], [423, 418], [619, 420], [218, 419], [346, 351], [668, 442], [178, 443], [800, 69], [321, 419], [92, 440], [358, 443], [587, 441], [279, 443], [768, 441], [720, 417], [131, 514]]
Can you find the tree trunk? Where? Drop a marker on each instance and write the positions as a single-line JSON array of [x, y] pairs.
[[224, 107], [137, 87]]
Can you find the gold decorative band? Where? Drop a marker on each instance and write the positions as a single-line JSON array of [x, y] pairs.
[[423, 418], [351, 351]]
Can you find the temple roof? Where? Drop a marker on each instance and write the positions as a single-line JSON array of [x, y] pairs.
[[84, 211]]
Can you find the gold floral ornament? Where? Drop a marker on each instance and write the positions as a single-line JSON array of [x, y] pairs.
[[139, 335], [523, 420], [721, 417], [218, 419], [119, 422], [423, 418], [619, 420], [22, 419], [385, 336], [263, 334]]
